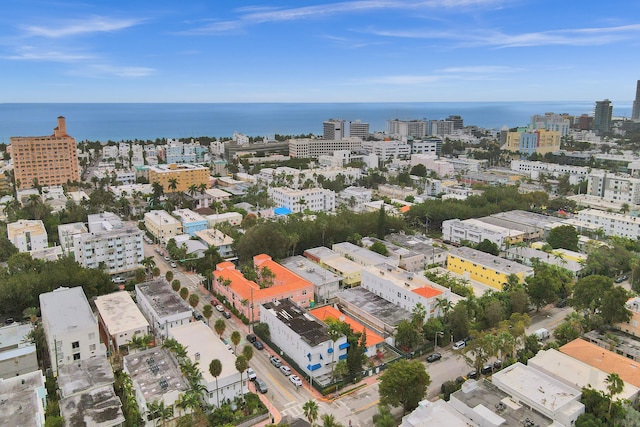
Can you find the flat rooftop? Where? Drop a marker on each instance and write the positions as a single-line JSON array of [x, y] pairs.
[[374, 305], [84, 375], [35, 227], [415, 282], [156, 372], [419, 244], [309, 270], [368, 257], [19, 397], [13, 336], [162, 298], [99, 407], [519, 219], [65, 310], [490, 402], [311, 330], [160, 216], [493, 262], [322, 253], [120, 313], [187, 215], [200, 340]]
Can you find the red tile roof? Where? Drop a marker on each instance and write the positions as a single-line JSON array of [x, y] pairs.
[[329, 312], [427, 292]]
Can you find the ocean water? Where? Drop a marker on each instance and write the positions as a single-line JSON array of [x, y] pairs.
[[116, 122]]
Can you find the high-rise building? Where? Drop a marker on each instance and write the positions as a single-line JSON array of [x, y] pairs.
[[602, 116], [359, 129], [458, 123], [334, 129], [635, 114], [401, 128], [45, 160]]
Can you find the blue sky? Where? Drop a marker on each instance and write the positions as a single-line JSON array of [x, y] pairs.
[[311, 51]]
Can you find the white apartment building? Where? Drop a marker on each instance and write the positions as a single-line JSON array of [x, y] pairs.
[[120, 176], [162, 225], [612, 224], [28, 235], [464, 165], [362, 256], [431, 146], [217, 239], [475, 231], [614, 187], [534, 169], [111, 243], [404, 289], [24, 399], [202, 346], [240, 138], [340, 158], [295, 178], [440, 127], [232, 218], [17, 351], [355, 197], [325, 283], [162, 307], [110, 152], [313, 148], [314, 199], [70, 327], [387, 150], [440, 167], [403, 128], [120, 319], [303, 338]]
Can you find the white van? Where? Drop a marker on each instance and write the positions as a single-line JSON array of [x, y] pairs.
[[542, 334], [459, 345]]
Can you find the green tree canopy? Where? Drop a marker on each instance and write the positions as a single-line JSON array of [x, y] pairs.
[[564, 236], [404, 383]]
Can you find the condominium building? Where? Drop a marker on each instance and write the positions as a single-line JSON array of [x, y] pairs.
[[475, 231], [350, 271], [358, 129], [355, 197], [485, 268], [527, 143], [178, 152], [232, 218], [120, 319], [70, 328], [611, 223], [602, 113], [28, 235], [551, 121], [635, 112], [362, 256], [387, 150], [403, 128], [303, 338], [110, 243], [325, 283], [191, 221], [178, 177], [534, 169], [426, 146], [274, 282], [45, 160], [162, 225], [217, 239], [334, 129], [440, 127], [313, 148], [614, 187], [66, 233], [162, 307], [313, 199]]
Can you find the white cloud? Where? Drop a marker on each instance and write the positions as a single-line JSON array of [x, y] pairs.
[[95, 24], [102, 70], [29, 53]]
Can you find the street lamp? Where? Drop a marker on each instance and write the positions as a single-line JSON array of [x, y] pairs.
[[435, 344]]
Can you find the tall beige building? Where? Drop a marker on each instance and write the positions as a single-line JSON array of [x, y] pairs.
[[51, 160]]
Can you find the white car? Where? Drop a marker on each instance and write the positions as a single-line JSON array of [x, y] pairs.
[[118, 279], [220, 308], [173, 264], [295, 380], [285, 370], [251, 374], [459, 345]]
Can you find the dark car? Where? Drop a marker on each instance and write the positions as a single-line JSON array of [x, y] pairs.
[[258, 345], [472, 375], [621, 279], [433, 357], [251, 338], [261, 386], [487, 369], [562, 303], [497, 364], [226, 315], [214, 302]]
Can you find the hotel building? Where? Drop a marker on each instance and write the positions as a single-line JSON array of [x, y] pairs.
[[185, 175]]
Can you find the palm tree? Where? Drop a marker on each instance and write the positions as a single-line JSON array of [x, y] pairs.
[[194, 300], [173, 184], [310, 409], [140, 342], [148, 263], [159, 411], [215, 369], [444, 305], [247, 352], [235, 339], [31, 313], [328, 420], [241, 366], [176, 285], [219, 327], [334, 334], [184, 293], [207, 312], [615, 385], [192, 189]]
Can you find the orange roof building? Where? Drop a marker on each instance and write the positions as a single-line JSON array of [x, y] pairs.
[[274, 283], [329, 312], [603, 359]]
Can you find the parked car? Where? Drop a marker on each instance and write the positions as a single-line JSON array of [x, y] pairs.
[[621, 279], [472, 375], [173, 264], [166, 258], [561, 303], [251, 374], [220, 308], [226, 315], [118, 279], [9, 321], [497, 364], [275, 361], [261, 386], [258, 345], [459, 345], [251, 338], [295, 380], [197, 315], [214, 302], [487, 369], [434, 357], [285, 370]]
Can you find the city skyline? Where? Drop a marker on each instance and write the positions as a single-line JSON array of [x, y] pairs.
[[343, 51]]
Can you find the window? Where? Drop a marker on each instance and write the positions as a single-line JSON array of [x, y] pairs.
[[75, 344], [76, 356], [92, 347]]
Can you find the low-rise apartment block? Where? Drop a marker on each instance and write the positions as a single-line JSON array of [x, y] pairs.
[[28, 235], [120, 319], [191, 221], [313, 199], [202, 346], [611, 223], [111, 243], [70, 327], [406, 259], [162, 307], [350, 271], [362, 256], [17, 351], [66, 233], [476, 231], [275, 283], [219, 240], [24, 400], [387, 150], [162, 225], [313, 148], [232, 218], [415, 243], [355, 197], [485, 268], [303, 338], [614, 187], [325, 283], [178, 177]]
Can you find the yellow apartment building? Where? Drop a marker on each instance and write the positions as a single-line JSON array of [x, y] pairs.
[[349, 271], [485, 268], [631, 327], [162, 225], [185, 175], [540, 141], [51, 160]]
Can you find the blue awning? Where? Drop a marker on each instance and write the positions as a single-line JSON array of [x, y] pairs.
[[309, 356], [330, 350], [314, 367], [343, 345], [342, 356]]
